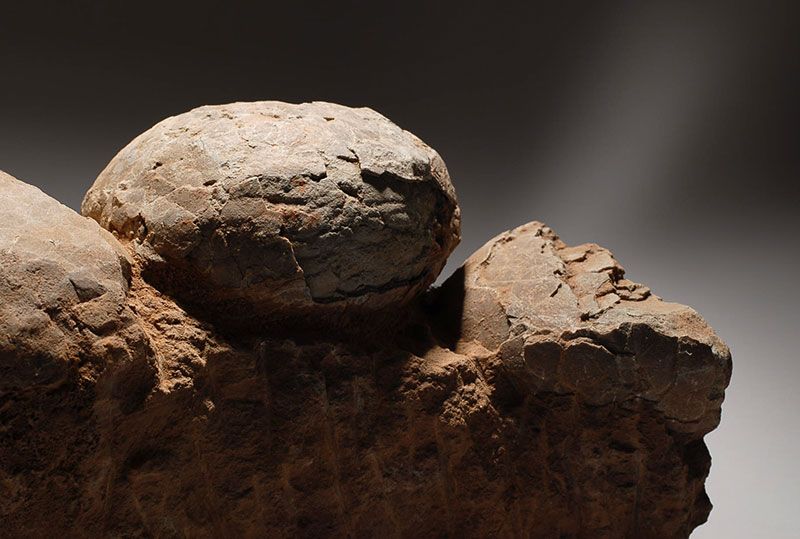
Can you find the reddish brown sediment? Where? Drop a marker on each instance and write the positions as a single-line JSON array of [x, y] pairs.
[[537, 393]]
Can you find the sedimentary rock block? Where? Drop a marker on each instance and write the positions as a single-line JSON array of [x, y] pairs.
[[282, 208], [537, 393]]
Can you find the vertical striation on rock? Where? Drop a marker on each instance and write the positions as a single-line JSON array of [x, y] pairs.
[[537, 393]]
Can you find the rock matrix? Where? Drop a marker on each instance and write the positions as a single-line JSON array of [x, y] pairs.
[[536, 393]]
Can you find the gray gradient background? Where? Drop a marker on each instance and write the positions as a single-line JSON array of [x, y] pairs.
[[665, 132]]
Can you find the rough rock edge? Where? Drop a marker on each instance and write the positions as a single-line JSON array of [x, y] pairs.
[[613, 319]]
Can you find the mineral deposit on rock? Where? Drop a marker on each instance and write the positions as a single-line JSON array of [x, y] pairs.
[[537, 393], [282, 207]]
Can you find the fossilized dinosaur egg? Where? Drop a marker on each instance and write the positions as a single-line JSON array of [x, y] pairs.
[[280, 208]]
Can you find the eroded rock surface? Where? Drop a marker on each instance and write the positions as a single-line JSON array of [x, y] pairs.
[[63, 292], [279, 208], [537, 393], [566, 321], [66, 332]]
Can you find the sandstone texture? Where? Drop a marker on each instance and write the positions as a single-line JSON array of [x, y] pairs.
[[63, 286], [282, 208], [536, 393], [66, 332]]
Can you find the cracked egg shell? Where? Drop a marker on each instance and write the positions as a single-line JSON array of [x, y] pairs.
[[276, 208]]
